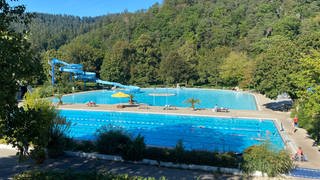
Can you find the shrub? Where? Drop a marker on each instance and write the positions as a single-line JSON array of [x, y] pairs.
[[192, 157], [3, 141], [263, 158], [135, 150], [46, 90], [38, 154], [112, 142], [179, 152], [61, 175], [86, 146], [228, 159], [57, 137], [158, 154], [116, 142]]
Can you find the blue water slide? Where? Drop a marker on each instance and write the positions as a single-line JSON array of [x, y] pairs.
[[77, 70], [57, 61], [87, 76], [132, 88]]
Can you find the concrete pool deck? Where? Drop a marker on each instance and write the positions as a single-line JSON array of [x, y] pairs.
[[293, 140]]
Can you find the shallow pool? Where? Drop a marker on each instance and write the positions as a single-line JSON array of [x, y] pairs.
[[172, 96], [164, 130]]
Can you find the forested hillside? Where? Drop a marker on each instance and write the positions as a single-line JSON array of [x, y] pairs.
[[252, 44], [52, 31]]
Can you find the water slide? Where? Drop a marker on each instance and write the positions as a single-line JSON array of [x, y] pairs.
[[79, 74]]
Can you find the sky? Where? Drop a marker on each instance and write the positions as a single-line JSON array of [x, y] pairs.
[[85, 7]]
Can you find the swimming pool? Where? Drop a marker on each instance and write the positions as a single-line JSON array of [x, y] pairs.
[[172, 96], [164, 130]]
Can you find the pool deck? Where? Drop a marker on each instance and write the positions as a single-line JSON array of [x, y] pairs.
[[293, 140]]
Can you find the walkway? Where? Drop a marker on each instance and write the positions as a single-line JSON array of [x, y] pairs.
[[9, 167], [294, 140]]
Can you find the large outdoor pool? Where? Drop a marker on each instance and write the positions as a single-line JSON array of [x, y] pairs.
[[164, 130], [172, 96]]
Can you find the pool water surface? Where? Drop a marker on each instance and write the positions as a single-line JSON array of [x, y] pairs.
[[171, 96], [164, 130]]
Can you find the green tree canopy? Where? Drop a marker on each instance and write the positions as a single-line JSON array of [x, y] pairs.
[[116, 64], [236, 70], [277, 60], [16, 60], [173, 69]]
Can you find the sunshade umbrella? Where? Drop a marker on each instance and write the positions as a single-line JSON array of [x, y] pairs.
[[120, 95]]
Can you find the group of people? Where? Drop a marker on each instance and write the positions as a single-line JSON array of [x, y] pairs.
[[299, 156], [91, 104]]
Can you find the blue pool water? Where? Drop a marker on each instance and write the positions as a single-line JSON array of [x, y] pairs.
[[164, 130], [173, 96]]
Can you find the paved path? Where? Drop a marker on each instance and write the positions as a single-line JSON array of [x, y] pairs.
[[294, 140], [9, 167]]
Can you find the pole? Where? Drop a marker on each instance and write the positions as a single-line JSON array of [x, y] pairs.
[[52, 76], [52, 73]]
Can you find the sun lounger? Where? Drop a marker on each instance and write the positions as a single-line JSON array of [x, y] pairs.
[[220, 109], [169, 107]]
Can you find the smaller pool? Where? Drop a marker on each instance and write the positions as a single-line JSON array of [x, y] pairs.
[[172, 96], [164, 130]]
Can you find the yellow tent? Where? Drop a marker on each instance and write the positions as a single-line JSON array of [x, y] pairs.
[[120, 95]]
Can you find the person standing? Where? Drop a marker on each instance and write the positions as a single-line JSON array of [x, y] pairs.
[[295, 120], [295, 123]]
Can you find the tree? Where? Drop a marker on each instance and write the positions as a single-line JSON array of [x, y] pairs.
[[116, 64], [308, 75], [308, 111], [188, 52], [316, 127], [16, 61], [236, 70], [145, 67], [131, 99], [263, 158], [277, 60], [173, 69], [18, 128], [42, 122], [79, 53], [306, 82], [287, 27], [17, 66], [192, 102], [209, 63], [29, 124]]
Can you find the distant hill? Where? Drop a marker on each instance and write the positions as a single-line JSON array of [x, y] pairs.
[[52, 31], [246, 43]]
